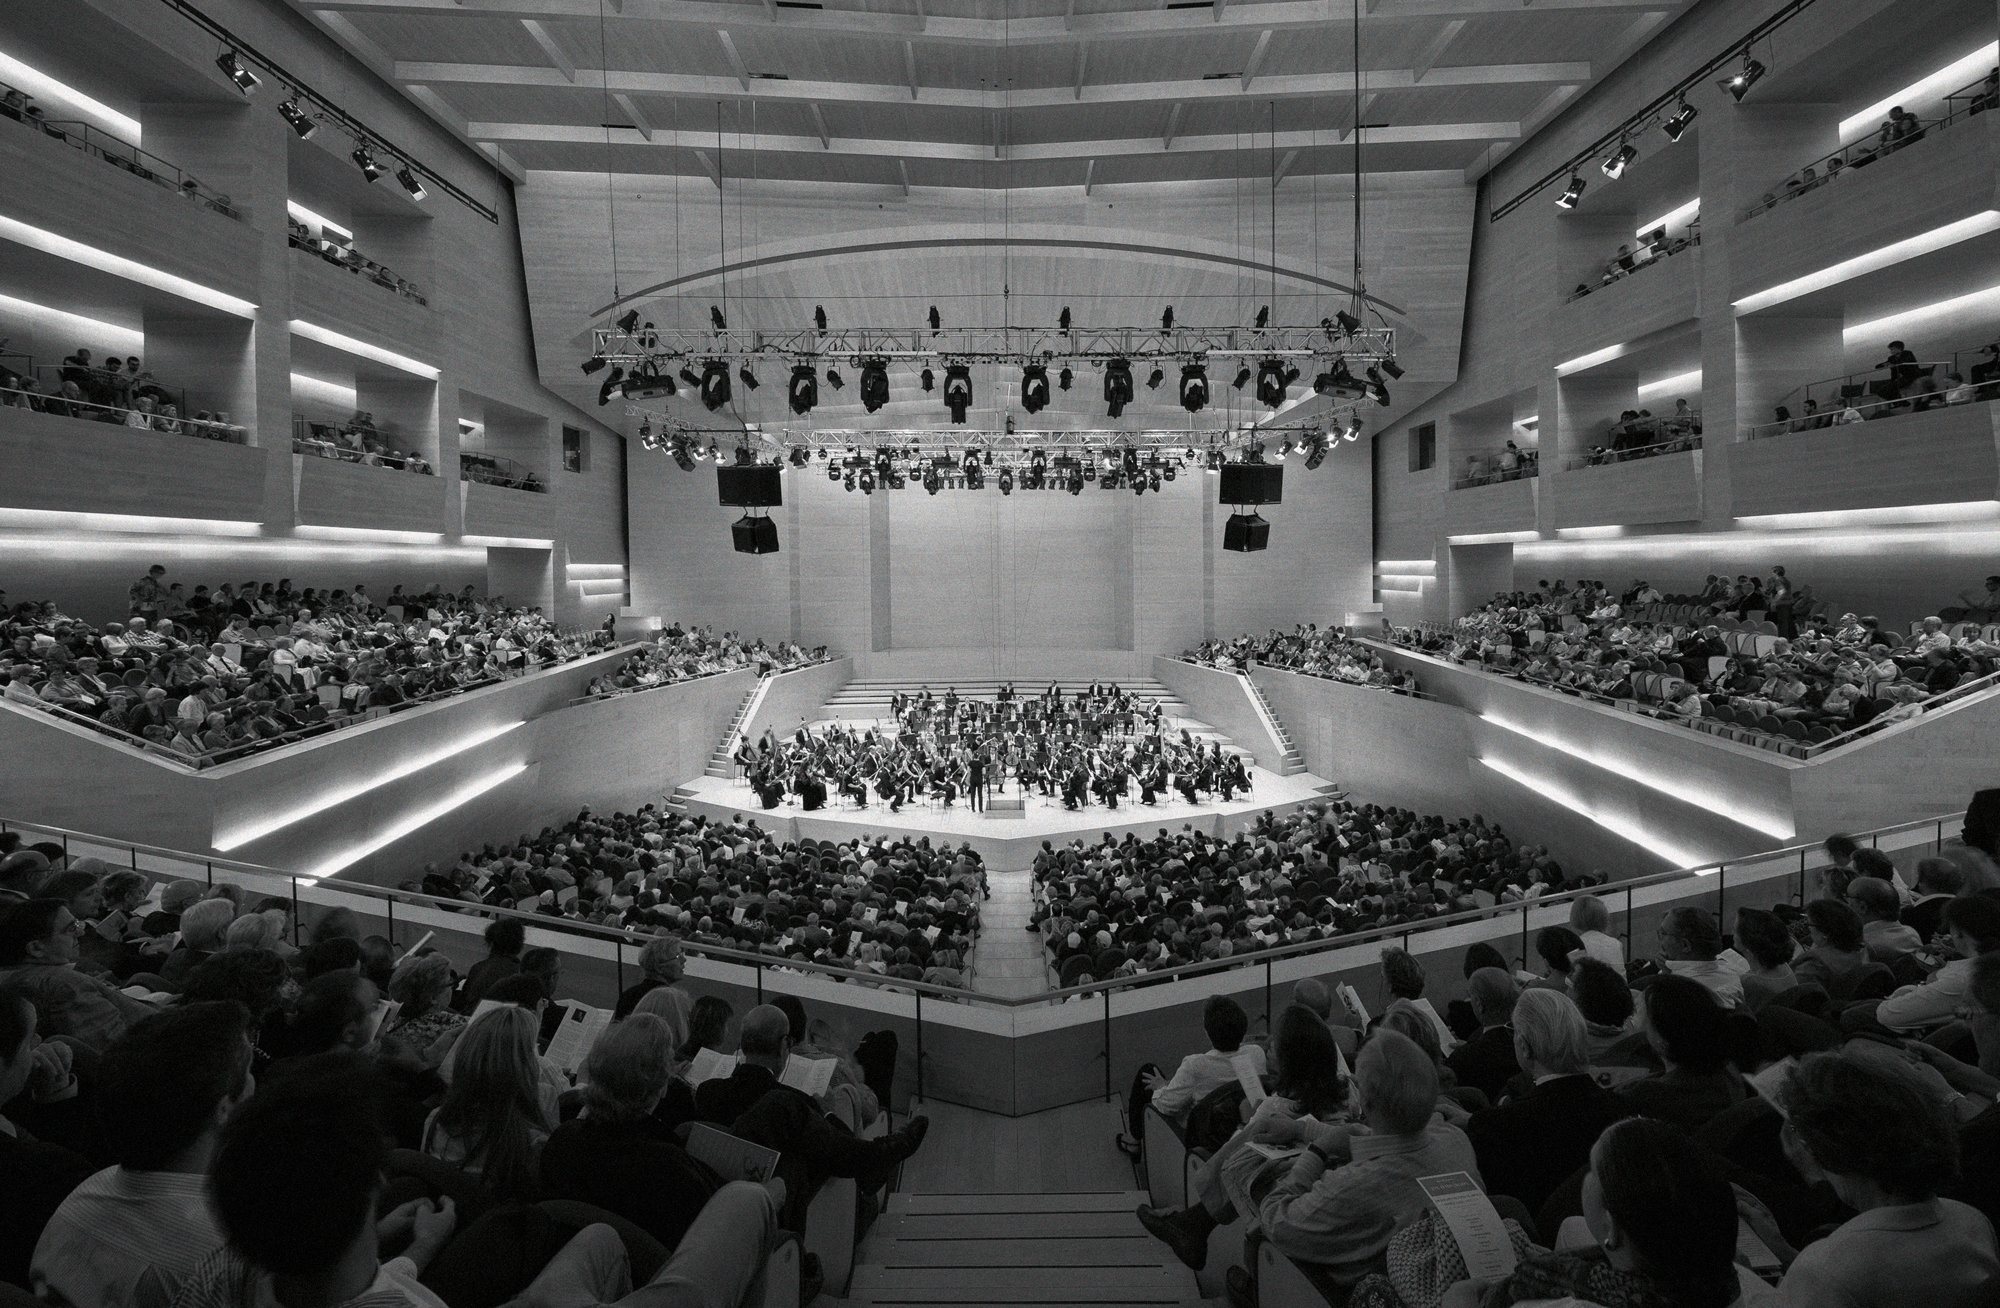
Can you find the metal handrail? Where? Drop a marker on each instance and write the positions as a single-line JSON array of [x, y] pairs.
[[306, 440], [493, 470], [1681, 444], [300, 237], [1530, 466], [1401, 932], [1960, 363], [1871, 148], [1668, 248], [38, 402], [699, 676], [140, 163]]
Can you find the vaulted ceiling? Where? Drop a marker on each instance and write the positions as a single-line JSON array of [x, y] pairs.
[[991, 93]]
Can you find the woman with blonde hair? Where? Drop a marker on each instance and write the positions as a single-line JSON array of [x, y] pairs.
[[674, 1009], [493, 1123], [425, 1025]]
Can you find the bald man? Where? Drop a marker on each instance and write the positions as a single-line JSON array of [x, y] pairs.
[[750, 1103]]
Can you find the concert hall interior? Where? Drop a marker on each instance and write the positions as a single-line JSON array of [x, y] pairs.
[[768, 653]]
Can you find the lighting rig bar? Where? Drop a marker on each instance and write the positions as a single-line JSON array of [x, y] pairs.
[[999, 345]]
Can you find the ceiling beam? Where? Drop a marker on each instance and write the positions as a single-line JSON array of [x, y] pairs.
[[1220, 6], [1287, 86], [1082, 65], [1426, 58], [819, 125], [540, 35], [1173, 127], [708, 166], [735, 60], [903, 171], [1089, 171], [1256, 59], [631, 108], [1284, 168], [505, 162], [1352, 112], [910, 66]]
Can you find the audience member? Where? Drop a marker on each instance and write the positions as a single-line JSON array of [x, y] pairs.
[[39, 1175], [1487, 1062], [40, 944], [1687, 1029], [1691, 946], [1225, 1024], [1306, 649]]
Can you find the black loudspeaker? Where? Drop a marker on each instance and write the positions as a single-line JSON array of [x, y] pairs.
[[749, 486], [1245, 533], [1252, 483], [755, 535]]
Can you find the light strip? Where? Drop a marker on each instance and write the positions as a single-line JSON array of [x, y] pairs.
[[1400, 590], [258, 830], [76, 545], [36, 82], [1934, 87], [1770, 826], [593, 571], [1419, 578], [320, 388], [421, 818], [311, 219], [1606, 532], [1617, 826], [362, 349], [599, 588], [1962, 541], [1960, 511], [1886, 256], [109, 335], [35, 238], [65, 520], [1591, 360], [371, 533], [1684, 381], [508, 542], [1408, 565], [1892, 325], [1672, 218], [1494, 538]]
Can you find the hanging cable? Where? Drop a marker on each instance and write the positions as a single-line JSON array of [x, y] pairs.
[[610, 194]]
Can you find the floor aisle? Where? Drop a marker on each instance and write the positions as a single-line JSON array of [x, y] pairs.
[[1007, 961]]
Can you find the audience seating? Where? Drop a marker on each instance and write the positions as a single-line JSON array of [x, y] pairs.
[[1654, 247], [1307, 650], [358, 440], [97, 143], [677, 655], [342, 254], [118, 392]]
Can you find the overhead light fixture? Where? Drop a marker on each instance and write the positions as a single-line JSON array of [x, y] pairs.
[[1065, 377], [957, 389], [1347, 322], [1271, 383], [834, 379], [1676, 123], [1242, 378], [364, 159], [595, 363], [1154, 378], [819, 317], [1738, 84], [1393, 369], [1376, 388], [408, 177], [1353, 431], [232, 68], [866, 478], [1117, 386], [714, 384], [799, 456], [1571, 193], [802, 392], [1194, 387], [1006, 481], [1263, 317], [297, 119], [716, 320], [874, 384], [1619, 160], [1034, 387], [610, 385], [748, 378], [1063, 319]]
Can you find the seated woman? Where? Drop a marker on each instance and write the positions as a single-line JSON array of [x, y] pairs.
[[492, 1123], [425, 1025], [1687, 1029]]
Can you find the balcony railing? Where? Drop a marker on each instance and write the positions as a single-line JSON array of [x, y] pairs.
[[98, 143], [1529, 466], [492, 470], [1824, 403], [1644, 439], [350, 444], [1958, 106], [56, 405], [351, 259], [1618, 269]]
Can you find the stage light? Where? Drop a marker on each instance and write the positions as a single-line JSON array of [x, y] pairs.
[[1006, 481], [819, 316], [1676, 124], [595, 363], [834, 379], [1194, 387], [1376, 389], [688, 376], [1571, 193], [1271, 383], [1353, 432], [1242, 379], [928, 378], [1393, 369], [1619, 160], [1167, 319], [364, 159], [1315, 448], [232, 68], [1062, 319], [716, 320], [1263, 316], [866, 479], [1738, 84], [1065, 377], [874, 384], [748, 378], [802, 391], [1076, 483], [628, 322], [935, 320], [1117, 386], [715, 389], [650, 385], [1154, 378], [799, 456], [847, 483], [1034, 387], [409, 182], [957, 390], [298, 119], [610, 385]]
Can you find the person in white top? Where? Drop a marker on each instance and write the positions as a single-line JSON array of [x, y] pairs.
[[1199, 1074], [1974, 925], [1588, 917]]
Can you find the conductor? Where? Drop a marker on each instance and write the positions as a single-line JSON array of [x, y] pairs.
[[975, 783]]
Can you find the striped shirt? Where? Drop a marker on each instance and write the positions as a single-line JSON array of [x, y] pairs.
[[125, 1239], [226, 1281]]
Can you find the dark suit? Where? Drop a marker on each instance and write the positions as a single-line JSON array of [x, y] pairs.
[[39, 1177], [1528, 1146], [812, 1147], [634, 1170], [1486, 1062], [1926, 916]]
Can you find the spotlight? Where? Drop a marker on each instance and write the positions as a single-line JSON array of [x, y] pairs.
[[932, 482], [1353, 432], [714, 384], [928, 378], [1394, 369], [1571, 193], [409, 182], [1117, 386], [1376, 388], [232, 68], [1242, 378], [610, 384], [595, 363], [1739, 83], [848, 482], [802, 391], [365, 161], [1347, 322], [298, 119], [1263, 316], [748, 378], [1271, 383], [1194, 387], [630, 322], [1167, 319], [1153, 482], [687, 375], [1076, 483], [866, 478], [874, 384], [1064, 378], [1034, 387], [799, 456], [650, 385], [1062, 319], [1677, 123], [1154, 378], [1006, 481], [1620, 159], [834, 379], [819, 317], [1316, 447], [682, 458], [716, 320], [936, 321], [957, 390]]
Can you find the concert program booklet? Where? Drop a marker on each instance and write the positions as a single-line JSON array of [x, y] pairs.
[[1473, 1222], [812, 1075], [708, 1065], [731, 1157], [576, 1036]]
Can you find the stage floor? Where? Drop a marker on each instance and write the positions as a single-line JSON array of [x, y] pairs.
[[1005, 843]]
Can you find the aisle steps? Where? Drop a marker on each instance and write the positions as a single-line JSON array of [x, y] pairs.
[[972, 1250], [719, 763], [1292, 763]]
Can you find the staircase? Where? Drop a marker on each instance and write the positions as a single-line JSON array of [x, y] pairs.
[[719, 763], [1292, 762], [1003, 1249]]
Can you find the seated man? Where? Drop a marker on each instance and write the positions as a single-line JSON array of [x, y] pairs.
[[40, 943], [131, 1234], [1882, 930], [1690, 944], [1226, 1024]]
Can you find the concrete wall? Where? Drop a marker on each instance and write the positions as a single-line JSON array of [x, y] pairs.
[[794, 696], [1220, 699]]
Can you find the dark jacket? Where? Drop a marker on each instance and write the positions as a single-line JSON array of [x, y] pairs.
[[1486, 1062], [1530, 1145], [631, 1169]]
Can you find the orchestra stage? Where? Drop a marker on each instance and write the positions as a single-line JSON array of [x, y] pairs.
[[1005, 843]]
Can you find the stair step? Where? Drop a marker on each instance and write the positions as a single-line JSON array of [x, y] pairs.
[[1124, 1251], [1093, 1201], [1018, 1226]]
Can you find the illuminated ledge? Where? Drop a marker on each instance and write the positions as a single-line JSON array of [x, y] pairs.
[[1651, 841], [414, 821], [131, 270]]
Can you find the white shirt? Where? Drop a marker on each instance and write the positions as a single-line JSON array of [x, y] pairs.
[[1604, 948], [1201, 1074]]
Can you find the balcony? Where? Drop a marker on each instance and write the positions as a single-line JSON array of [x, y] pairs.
[[73, 464], [334, 491], [1640, 488], [1498, 506], [1938, 456], [492, 510], [1658, 296], [356, 304]]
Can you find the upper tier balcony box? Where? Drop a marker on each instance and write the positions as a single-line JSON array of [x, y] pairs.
[[76, 465], [501, 511], [1496, 506], [72, 192], [1940, 456], [1663, 294], [1947, 176], [356, 305], [1663, 488], [335, 493]]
